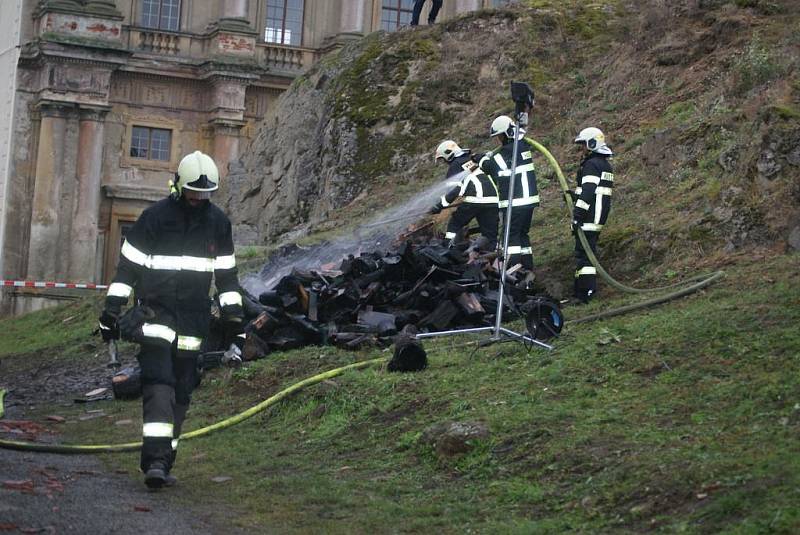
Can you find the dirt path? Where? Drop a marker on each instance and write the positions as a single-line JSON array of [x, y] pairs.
[[47, 493], [44, 493]]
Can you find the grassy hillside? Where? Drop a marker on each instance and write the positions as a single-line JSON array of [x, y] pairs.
[[681, 418]]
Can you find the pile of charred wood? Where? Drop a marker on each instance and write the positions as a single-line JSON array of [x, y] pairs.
[[368, 299]]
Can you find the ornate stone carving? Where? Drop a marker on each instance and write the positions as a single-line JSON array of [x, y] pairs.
[[144, 90], [228, 98], [225, 127], [93, 113], [49, 108], [78, 79]]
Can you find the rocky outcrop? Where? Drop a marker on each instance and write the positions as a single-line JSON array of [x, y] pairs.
[[362, 125], [708, 138]]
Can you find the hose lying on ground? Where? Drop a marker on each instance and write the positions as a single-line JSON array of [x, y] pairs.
[[233, 420], [700, 281]]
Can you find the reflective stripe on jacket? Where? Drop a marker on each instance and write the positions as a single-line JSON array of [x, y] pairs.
[[595, 186], [474, 188], [169, 258], [498, 167]]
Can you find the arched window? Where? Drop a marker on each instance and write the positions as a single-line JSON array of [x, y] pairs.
[[284, 23], [396, 13]]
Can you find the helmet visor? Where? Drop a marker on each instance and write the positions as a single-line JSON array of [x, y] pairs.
[[194, 195], [202, 184]]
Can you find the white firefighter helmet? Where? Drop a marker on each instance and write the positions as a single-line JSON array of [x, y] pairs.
[[197, 172], [504, 125], [594, 140], [447, 150]]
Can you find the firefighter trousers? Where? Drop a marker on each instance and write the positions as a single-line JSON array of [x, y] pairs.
[[484, 214], [585, 272], [417, 11], [167, 385], [519, 244]]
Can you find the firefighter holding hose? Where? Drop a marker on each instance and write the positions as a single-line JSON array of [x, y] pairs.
[[168, 260], [478, 192]]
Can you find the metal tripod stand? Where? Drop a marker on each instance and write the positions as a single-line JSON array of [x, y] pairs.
[[523, 98]]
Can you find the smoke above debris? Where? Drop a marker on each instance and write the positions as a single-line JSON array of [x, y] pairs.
[[373, 235]]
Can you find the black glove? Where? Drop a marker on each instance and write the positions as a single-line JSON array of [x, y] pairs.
[[573, 196], [575, 225], [435, 209], [109, 328], [130, 324], [477, 157]]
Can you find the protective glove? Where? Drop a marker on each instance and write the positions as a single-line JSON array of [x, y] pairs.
[[109, 328], [435, 209], [130, 324], [477, 157], [575, 225], [573, 196]]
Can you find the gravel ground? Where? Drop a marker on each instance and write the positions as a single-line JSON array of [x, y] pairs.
[[45, 493], [55, 380], [48, 493]]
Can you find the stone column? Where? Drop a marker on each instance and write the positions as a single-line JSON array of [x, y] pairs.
[[227, 133], [83, 245], [43, 260], [234, 15], [236, 9], [227, 118]]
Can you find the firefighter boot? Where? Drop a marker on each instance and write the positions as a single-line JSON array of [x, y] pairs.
[[156, 476]]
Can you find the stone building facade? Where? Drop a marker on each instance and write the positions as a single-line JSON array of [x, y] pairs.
[[102, 98]]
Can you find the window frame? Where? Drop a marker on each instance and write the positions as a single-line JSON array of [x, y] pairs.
[[160, 8], [149, 148], [282, 29], [398, 10]]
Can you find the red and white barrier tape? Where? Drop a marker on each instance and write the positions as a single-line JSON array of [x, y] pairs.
[[43, 284]]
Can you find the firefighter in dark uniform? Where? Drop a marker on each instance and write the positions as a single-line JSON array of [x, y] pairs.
[[168, 260], [592, 199], [526, 197], [477, 190]]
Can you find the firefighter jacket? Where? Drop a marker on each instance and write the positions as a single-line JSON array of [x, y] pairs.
[[498, 166], [593, 194], [169, 258], [475, 188]]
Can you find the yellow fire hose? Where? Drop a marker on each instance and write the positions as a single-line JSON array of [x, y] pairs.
[[233, 420], [704, 280]]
